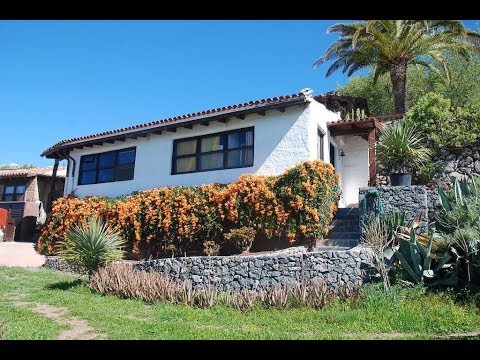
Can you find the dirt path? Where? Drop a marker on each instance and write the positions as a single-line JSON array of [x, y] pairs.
[[78, 328]]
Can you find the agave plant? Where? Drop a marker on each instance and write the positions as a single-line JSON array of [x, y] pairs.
[[400, 148], [91, 245], [459, 223], [417, 262]]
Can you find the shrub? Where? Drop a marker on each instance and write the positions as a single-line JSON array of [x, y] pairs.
[[426, 172], [2, 329], [444, 126], [211, 248], [241, 238], [297, 205], [91, 244], [309, 194]]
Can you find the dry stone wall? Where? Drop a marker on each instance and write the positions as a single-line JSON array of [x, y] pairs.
[[263, 271], [410, 199]]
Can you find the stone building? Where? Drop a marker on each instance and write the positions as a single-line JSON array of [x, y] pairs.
[[24, 193]]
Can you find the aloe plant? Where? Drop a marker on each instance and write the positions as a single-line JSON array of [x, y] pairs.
[[418, 263]]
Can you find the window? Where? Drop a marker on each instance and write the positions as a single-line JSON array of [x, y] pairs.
[[13, 193], [320, 136], [107, 167], [225, 150]]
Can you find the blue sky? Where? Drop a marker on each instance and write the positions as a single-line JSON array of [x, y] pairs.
[[63, 79]]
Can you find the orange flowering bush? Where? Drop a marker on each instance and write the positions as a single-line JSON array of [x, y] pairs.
[[308, 193], [297, 205]]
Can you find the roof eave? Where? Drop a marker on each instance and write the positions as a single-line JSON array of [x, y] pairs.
[[55, 151]]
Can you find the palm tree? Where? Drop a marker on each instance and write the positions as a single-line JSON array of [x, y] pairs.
[[392, 45]]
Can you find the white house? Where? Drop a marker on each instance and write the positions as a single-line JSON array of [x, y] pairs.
[[264, 136]]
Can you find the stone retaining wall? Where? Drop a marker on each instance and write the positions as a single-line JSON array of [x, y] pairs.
[[263, 271], [54, 262], [258, 271], [411, 199]]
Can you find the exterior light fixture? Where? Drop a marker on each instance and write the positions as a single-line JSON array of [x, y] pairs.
[[341, 152]]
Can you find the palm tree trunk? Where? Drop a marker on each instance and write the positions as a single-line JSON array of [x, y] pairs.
[[398, 75]]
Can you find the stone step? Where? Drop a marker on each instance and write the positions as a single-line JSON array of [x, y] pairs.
[[344, 222], [347, 213], [331, 248], [354, 228], [344, 235], [349, 243]]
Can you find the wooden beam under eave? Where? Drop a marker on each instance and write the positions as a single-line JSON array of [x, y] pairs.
[[281, 109], [79, 147], [110, 141], [261, 113], [121, 139], [379, 125], [205, 123], [240, 116], [341, 132], [188, 126], [89, 145], [223, 120], [372, 159], [158, 132], [172, 130], [143, 135]]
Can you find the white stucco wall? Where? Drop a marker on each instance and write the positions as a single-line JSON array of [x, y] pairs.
[[320, 116], [353, 167], [281, 141]]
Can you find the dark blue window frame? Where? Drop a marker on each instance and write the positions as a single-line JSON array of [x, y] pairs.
[[110, 162]]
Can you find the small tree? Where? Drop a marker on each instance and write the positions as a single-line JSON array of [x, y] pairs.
[[91, 245]]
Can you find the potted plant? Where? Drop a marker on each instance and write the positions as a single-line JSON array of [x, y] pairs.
[[400, 150]]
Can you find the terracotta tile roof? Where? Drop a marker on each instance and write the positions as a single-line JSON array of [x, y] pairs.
[[366, 119], [45, 171], [201, 115]]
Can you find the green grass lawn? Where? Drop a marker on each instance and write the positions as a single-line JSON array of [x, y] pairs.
[[402, 313]]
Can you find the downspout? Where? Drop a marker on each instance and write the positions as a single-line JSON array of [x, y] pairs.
[[73, 167], [52, 186]]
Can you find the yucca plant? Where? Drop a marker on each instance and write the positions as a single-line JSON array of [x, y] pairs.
[[401, 149], [91, 245]]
